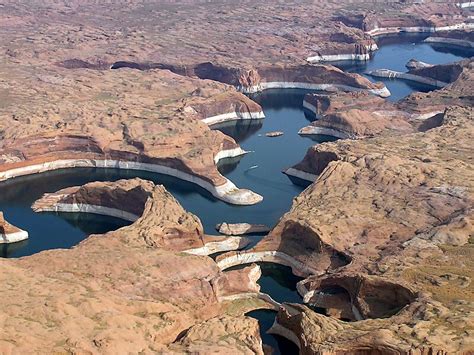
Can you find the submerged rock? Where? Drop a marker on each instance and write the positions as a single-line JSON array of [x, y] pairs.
[[241, 228]]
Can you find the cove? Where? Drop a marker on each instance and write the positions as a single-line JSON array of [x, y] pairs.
[[394, 52], [283, 111], [259, 171], [279, 344], [277, 281]]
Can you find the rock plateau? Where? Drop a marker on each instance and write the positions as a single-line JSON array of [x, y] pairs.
[[383, 235]]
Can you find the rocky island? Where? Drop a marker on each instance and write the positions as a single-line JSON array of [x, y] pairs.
[[130, 126]]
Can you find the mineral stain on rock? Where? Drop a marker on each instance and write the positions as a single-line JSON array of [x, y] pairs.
[[374, 256]]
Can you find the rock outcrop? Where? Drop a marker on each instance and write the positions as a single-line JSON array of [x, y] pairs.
[[315, 77], [437, 76], [318, 334], [9, 233], [359, 115], [274, 134], [241, 228], [122, 128], [417, 64], [354, 115], [123, 199], [458, 39], [128, 290], [221, 335], [256, 79], [355, 123], [406, 221], [151, 207], [414, 17]]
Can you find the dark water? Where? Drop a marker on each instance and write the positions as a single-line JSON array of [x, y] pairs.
[[277, 281], [395, 51], [279, 344], [49, 230], [283, 110], [270, 156]]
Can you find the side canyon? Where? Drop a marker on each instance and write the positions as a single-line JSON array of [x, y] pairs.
[[121, 110]]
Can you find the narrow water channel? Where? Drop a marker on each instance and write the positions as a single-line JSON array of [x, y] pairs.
[[279, 344], [278, 281], [270, 155], [394, 53], [259, 171]]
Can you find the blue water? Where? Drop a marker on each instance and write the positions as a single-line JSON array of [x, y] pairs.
[[279, 344], [283, 111], [50, 230], [394, 52]]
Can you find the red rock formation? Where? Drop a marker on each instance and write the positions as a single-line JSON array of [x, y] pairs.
[[145, 204], [357, 115], [125, 290], [10, 233], [123, 128], [403, 218], [129, 291]]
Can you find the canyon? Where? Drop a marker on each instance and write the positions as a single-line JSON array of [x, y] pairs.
[[101, 104]]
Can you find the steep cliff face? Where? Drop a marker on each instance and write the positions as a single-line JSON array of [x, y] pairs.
[[358, 115], [128, 196], [447, 73], [354, 115], [404, 218], [156, 217], [154, 125], [128, 290], [320, 104], [117, 124], [252, 79], [406, 17], [356, 123], [10, 233]]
